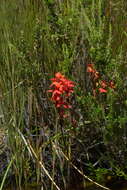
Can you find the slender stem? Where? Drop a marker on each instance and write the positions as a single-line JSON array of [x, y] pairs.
[[5, 175], [62, 130], [79, 171]]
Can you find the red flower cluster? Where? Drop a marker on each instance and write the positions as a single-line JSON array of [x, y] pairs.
[[61, 90], [102, 84], [92, 70]]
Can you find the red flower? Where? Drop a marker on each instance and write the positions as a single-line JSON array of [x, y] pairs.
[[59, 75], [103, 84], [112, 85], [90, 68], [61, 90], [96, 79], [102, 90]]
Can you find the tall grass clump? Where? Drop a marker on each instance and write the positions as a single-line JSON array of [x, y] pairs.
[[46, 144]]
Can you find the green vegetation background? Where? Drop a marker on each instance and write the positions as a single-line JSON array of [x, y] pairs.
[[39, 38]]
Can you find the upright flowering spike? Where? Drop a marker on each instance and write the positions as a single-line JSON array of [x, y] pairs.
[[61, 89], [100, 85]]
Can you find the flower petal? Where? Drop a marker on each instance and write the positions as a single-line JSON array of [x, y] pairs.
[[102, 90]]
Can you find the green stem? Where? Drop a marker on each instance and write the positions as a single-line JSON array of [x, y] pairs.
[[7, 170]]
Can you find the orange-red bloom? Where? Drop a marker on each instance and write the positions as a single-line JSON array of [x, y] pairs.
[[90, 68], [102, 90], [112, 85], [96, 79], [103, 84], [61, 90]]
